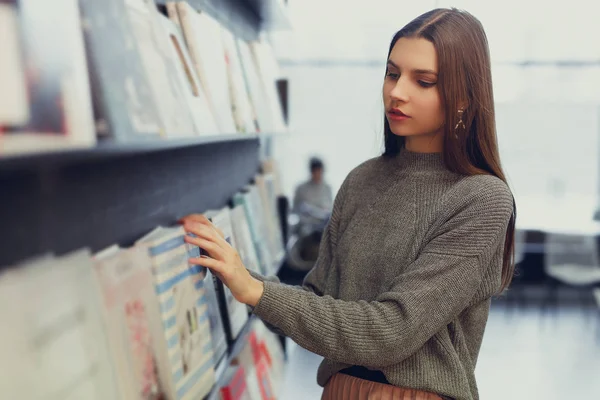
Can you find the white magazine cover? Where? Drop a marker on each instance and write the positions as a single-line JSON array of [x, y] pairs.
[[276, 354], [203, 37], [256, 91], [268, 70], [156, 57], [59, 348], [256, 224], [132, 316], [265, 189], [197, 101], [264, 226], [242, 111], [243, 238]]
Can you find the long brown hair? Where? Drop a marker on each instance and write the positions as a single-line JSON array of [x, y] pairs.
[[464, 82]]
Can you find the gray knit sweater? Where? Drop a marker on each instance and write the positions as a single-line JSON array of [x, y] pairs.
[[406, 270]]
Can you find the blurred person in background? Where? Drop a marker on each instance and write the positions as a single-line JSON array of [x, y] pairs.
[[313, 201], [314, 196], [420, 238]]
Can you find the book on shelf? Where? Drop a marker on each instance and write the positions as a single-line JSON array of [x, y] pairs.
[[14, 105], [270, 166], [234, 386], [245, 360], [268, 70], [242, 110], [266, 192], [257, 369], [57, 346], [156, 55], [256, 224], [57, 88], [234, 312], [268, 344], [173, 14], [195, 97], [243, 239], [254, 86], [132, 316], [217, 329], [266, 226], [203, 37], [124, 107], [186, 365]]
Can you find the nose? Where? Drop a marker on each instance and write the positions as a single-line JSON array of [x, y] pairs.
[[400, 90]]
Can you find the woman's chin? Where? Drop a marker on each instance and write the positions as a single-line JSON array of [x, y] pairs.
[[401, 132]]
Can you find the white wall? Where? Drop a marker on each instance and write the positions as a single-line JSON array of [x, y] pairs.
[[335, 113]]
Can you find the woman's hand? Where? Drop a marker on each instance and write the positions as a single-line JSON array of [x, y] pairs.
[[224, 260]]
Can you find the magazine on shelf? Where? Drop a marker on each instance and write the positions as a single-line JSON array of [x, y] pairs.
[[243, 238], [235, 387], [124, 108], [195, 97], [57, 87], [268, 70], [256, 224], [14, 105], [186, 365], [258, 98], [266, 192], [203, 37], [217, 329], [132, 316], [243, 112], [235, 312], [58, 346], [156, 54]]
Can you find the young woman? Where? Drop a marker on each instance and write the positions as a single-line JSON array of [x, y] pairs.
[[420, 238]]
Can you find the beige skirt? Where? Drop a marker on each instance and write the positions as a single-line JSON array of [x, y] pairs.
[[346, 387]]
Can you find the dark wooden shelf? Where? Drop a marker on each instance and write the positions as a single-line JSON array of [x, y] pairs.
[[115, 193], [110, 150]]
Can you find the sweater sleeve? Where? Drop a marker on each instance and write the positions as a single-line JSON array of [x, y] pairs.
[[426, 296]]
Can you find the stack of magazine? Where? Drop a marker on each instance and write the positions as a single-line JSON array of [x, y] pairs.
[[140, 322], [119, 70]]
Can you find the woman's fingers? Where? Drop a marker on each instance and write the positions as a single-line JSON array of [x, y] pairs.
[[214, 265], [205, 232], [201, 219], [212, 248]]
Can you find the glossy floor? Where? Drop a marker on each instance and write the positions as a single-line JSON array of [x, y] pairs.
[[527, 354]]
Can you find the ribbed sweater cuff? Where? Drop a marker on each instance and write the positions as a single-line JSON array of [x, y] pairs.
[[277, 304]]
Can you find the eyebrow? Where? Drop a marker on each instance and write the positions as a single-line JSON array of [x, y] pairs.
[[416, 71]]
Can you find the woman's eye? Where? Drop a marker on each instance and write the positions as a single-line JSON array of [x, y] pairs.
[[392, 75], [426, 84]]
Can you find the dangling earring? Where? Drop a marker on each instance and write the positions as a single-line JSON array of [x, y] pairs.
[[460, 123]]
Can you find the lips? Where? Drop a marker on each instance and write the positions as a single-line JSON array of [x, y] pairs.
[[396, 111], [396, 115]]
